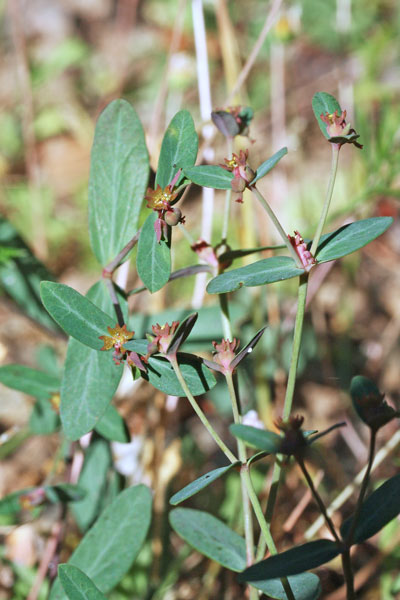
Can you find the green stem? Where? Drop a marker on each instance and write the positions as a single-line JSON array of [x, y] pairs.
[[364, 485], [226, 323], [228, 196], [298, 330], [247, 516], [277, 224], [265, 530], [248, 491], [287, 407], [231, 457], [348, 575], [328, 197], [318, 499]]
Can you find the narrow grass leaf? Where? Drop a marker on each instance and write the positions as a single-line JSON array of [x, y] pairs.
[[210, 537]]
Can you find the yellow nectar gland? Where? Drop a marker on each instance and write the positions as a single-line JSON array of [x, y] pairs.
[[159, 199], [232, 164]]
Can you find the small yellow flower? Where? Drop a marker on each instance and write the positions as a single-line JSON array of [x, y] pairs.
[[118, 336], [159, 199]]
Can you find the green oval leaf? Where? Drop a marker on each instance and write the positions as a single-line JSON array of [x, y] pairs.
[[93, 480], [376, 511], [119, 172], [323, 103], [112, 426], [210, 176], [349, 238], [77, 585], [267, 270], [153, 260], [210, 536], [269, 164], [90, 377], [162, 376], [79, 317], [258, 438], [305, 586], [178, 149], [109, 548], [30, 381], [199, 484], [292, 562]]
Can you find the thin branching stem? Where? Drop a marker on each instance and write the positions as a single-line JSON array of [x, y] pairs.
[[231, 457], [350, 536], [277, 224], [328, 197], [318, 499]]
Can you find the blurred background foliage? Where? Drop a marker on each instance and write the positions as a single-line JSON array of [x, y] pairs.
[[62, 62]]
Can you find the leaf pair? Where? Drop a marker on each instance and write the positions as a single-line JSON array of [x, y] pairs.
[[216, 177], [179, 149], [334, 245], [214, 539], [377, 511], [90, 377]]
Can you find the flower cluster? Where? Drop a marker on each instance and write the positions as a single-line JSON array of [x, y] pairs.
[[300, 247], [234, 120], [117, 338], [224, 354], [293, 441], [160, 200], [163, 336], [243, 174], [369, 403], [339, 132], [213, 255]]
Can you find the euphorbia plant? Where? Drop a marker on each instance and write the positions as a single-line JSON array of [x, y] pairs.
[[99, 322]]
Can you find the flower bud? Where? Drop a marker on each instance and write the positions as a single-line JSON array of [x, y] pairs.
[[173, 216]]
